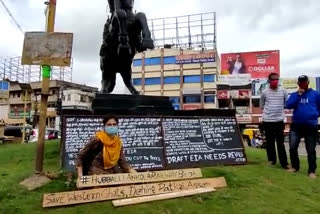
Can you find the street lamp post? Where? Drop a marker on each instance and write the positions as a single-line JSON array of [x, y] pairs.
[[27, 89]]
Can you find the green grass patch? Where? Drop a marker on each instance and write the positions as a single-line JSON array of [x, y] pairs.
[[254, 188]]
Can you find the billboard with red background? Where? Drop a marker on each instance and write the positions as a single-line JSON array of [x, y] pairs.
[[258, 64]]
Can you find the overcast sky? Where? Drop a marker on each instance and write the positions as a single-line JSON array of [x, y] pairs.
[[291, 26]]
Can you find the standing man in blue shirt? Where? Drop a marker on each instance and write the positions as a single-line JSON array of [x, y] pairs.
[[306, 105], [272, 102]]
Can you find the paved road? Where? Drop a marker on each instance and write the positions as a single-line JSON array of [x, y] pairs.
[[302, 149]]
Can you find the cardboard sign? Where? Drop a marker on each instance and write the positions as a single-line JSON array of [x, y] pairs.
[[143, 177], [139, 200], [121, 192]]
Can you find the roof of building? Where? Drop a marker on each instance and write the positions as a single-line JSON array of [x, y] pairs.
[[14, 86]]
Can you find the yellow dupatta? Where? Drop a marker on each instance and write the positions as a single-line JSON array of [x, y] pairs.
[[111, 149]]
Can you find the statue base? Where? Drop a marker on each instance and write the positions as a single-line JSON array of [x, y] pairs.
[[131, 105]]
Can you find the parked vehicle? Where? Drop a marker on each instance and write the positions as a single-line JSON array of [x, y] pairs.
[[51, 134], [14, 133], [254, 137]]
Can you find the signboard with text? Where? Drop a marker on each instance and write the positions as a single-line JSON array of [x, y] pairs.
[[153, 143], [235, 80], [196, 58], [42, 48]]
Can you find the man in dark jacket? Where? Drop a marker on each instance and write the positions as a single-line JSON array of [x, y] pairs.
[[306, 105]]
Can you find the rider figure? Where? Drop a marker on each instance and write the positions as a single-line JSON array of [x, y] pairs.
[[122, 11]]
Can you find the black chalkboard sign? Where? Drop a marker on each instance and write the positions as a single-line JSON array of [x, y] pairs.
[[141, 137], [142, 142], [152, 143], [202, 141]]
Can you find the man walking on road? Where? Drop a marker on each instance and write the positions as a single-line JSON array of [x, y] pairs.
[[306, 105], [272, 102]]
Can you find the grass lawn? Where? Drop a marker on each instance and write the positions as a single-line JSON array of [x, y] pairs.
[[254, 188]]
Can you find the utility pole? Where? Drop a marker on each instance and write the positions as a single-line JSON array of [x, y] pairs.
[[24, 116], [46, 74]]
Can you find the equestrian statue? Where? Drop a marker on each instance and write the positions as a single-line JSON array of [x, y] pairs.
[[125, 34]]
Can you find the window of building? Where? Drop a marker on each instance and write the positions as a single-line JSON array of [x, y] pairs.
[[152, 61], [18, 95], [192, 99], [192, 79], [83, 98], [175, 100], [176, 106], [172, 80], [209, 78], [239, 102], [210, 99], [256, 103], [169, 60], [5, 85], [137, 81], [51, 105], [64, 98], [137, 62], [153, 81], [69, 97]]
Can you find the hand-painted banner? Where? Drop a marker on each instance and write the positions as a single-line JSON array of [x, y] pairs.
[[142, 177], [121, 192]]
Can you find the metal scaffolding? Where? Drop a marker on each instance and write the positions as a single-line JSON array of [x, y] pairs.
[[194, 32], [11, 69]]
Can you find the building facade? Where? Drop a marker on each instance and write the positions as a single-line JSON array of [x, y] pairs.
[[77, 99], [188, 77], [4, 100], [33, 98]]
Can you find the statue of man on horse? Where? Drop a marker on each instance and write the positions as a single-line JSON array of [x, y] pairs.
[[125, 33]]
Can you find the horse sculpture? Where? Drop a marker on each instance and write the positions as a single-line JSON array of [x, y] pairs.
[[125, 34]]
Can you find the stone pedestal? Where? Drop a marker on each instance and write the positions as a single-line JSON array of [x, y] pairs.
[[131, 105]]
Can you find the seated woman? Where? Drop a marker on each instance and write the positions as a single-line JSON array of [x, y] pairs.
[[104, 153]]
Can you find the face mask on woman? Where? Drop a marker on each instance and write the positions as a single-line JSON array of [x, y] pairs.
[[111, 130]]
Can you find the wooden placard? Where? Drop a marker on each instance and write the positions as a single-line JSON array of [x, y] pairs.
[[142, 177], [42, 48], [144, 199], [121, 192]]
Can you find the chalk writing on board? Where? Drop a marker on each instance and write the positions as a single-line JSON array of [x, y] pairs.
[[189, 141], [161, 142], [142, 142], [141, 139]]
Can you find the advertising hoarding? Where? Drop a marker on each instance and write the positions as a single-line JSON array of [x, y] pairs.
[[258, 64]]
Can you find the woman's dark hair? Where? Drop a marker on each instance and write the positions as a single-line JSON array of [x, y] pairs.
[[272, 74], [109, 117]]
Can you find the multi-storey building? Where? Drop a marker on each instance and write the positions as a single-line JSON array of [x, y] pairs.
[[17, 100], [188, 77]]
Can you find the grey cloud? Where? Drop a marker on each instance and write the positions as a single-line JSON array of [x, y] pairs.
[[303, 57], [243, 25], [87, 29], [297, 71], [268, 15]]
